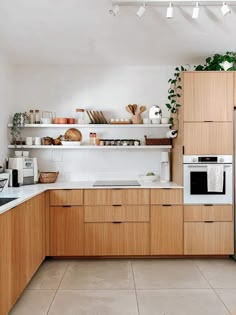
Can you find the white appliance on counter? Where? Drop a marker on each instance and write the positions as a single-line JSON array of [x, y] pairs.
[[195, 179], [27, 169], [165, 167]]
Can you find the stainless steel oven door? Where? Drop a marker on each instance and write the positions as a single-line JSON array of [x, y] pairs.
[[195, 186]]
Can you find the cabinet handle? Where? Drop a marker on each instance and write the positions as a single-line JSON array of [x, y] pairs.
[[66, 206], [117, 222], [208, 121], [166, 205], [116, 205], [208, 221], [208, 205]]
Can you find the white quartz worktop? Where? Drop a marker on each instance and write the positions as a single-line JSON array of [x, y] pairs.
[[24, 193]]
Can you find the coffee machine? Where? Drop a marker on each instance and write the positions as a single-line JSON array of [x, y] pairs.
[[165, 167], [23, 171]]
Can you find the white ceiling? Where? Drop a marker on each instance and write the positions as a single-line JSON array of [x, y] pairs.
[[83, 32]]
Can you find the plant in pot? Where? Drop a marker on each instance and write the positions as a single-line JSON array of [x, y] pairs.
[[18, 124], [226, 62]]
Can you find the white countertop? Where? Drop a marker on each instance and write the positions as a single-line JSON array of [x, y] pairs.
[[24, 193]]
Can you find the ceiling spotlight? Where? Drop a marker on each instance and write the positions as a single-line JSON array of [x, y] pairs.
[[169, 12], [225, 9], [196, 11], [141, 10], [115, 9]]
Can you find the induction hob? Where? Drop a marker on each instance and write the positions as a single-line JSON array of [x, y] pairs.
[[99, 183]]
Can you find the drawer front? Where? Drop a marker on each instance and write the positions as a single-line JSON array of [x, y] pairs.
[[64, 197], [110, 239], [116, 197], [216, 238], [166, 196], [116, 214], [208, 213]]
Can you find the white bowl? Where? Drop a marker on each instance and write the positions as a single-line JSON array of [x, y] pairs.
[[151, 178], [72, 143]]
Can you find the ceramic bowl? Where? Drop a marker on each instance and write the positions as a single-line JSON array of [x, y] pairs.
[[151, 178]]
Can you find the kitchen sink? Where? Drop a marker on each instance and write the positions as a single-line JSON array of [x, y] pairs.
[[3, 201]]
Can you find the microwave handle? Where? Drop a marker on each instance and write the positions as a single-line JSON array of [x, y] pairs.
[[205, 166]]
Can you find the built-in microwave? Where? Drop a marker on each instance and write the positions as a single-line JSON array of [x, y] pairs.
[[195, 179]]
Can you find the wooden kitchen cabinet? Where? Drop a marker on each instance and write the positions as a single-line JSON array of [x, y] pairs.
[[208, 238], [114, 239], [167, 230], [116, 197], [208, 213], [208, 138], [5, 263], [64, 197], [166, 196], [208, 96], [67, 231]]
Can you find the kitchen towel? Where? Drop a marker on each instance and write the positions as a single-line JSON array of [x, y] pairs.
[[215, 178]]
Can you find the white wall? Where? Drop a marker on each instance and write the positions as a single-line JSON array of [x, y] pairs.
[[62, 89], [5, 105]]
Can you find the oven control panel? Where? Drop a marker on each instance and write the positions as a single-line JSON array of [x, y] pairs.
[[207, 159]]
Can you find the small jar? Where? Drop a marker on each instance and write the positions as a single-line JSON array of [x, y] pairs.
[[80, 116], [37, 116], [31, 116]]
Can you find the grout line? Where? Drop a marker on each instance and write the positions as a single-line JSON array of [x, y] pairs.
[[57, 289], [135, 287], [213, 289]]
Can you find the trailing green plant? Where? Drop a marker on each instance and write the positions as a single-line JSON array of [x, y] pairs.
[[215, 63], [174, 92], [18, 124]]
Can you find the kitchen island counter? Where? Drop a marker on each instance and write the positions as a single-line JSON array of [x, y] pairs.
[[27, 192]]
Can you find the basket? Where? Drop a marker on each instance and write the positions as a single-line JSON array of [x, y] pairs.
[[48, 177], [157, 141]]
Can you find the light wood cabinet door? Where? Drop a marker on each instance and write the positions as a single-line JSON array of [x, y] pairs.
[[94, 197], [208, 138], [208, 96], [67, 231], [166, 196], [166, 230], [208, 213], [66, 197], [113, 239], [208, 238], [116, 214], [5, 263]]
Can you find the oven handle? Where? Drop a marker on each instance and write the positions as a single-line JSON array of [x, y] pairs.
[[198, 166]]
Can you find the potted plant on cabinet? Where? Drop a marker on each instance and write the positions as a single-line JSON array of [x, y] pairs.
[[18, 124]]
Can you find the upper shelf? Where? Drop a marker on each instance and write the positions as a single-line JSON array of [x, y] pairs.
[[93, 147], [95, 125]]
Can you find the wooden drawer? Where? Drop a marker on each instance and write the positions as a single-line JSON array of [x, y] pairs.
[[215, 238], [116, 213], [112, 239], [208, 213], [66, 197], [95, 197], [166, 196]]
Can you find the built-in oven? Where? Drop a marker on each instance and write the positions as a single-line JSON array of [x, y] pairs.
[[195, 179]]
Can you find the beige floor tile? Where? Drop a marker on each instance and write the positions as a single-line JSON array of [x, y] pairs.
[[221, 273], [98, 274], [180, 302], [49, 275], [33, 302], [228, 296], [92, 302], [165, 274]]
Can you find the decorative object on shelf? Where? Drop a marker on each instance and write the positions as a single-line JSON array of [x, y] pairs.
[[157, 141], [119, 142], [47, 140], [60, 120], [73, 134], [123, 121], [57, 141], [155, 114], [96, 117], [136, 117], [47, 117], [18, 123], [48, 177]]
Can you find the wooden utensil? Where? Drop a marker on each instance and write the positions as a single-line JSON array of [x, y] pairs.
[[135, 107], [131, 109], [142, 109]]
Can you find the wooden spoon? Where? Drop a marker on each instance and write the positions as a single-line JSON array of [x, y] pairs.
[[135, 107]]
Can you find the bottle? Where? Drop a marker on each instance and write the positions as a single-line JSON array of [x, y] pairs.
[[37, 116], [31, 116], [80, 116]]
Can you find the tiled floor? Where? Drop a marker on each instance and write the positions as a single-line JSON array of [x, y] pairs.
[[131, 287]]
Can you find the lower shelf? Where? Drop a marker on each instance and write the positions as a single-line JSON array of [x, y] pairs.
[[91, 147]]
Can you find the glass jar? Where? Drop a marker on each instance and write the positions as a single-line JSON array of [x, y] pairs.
[[37, 116], [31, 116], [80, 116]]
